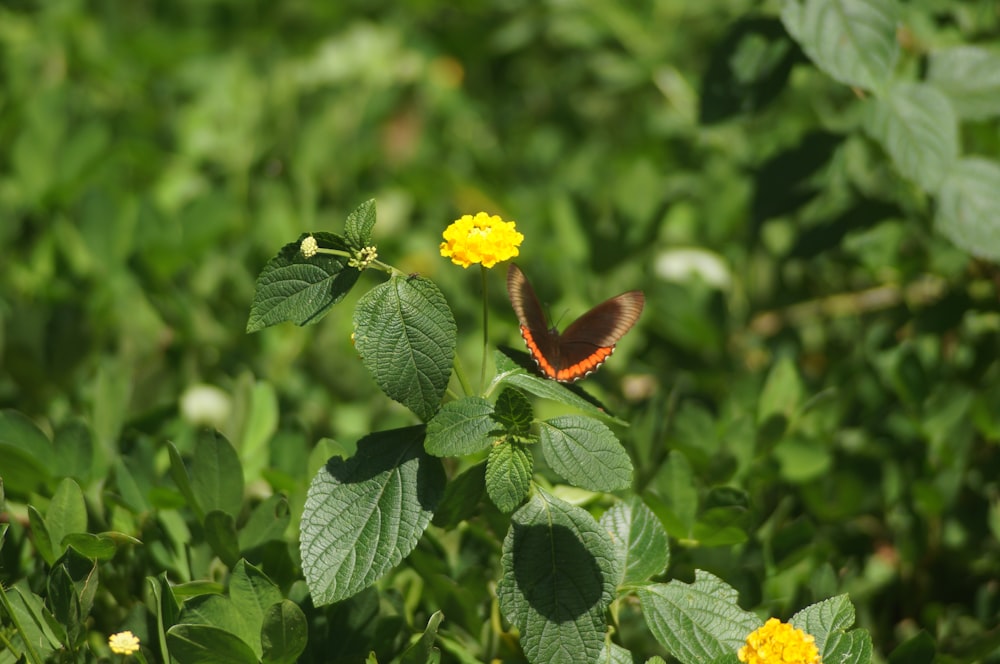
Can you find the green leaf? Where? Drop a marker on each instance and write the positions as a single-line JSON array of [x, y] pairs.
[[615, 654], [96, 547], [824, 618], [508, 474], [641, 544], [721, 526], [364, 515], [241, 614], [513, 413], [220, 533], [515, 376], [676, 504], [206, 644], [73, 447], [72, 585], [216, 475], [461, 497], [918, 649], [970, 76], [782, 392], [43, 541], [559, 575], [284, 633], [358, 228], [585, 453], [854, 647], [696, 622], [853, 41], [917, 126], [268, 522], [294, 288], [178, 472], [67, 513], [423, 650], [460, 427], [967, 207], [165, 608], [25, 454], [405, 334]]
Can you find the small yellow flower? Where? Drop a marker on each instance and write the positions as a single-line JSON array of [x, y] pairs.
[[363, 258], [779, 643], [309, 246], [123, 643], [481, 239]]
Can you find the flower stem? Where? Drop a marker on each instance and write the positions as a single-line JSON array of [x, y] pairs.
[[486, 330]]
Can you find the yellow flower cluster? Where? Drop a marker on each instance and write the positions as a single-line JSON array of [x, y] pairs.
[[480, 239], [779, 643], [309, 246], [123, 643]]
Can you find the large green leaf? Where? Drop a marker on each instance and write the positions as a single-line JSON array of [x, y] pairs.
[[216, 475], [559, 576], [294, 288], [968, 211], [25, 453], [970, 76], [284, 633], [363, 515], [460, 427], [406, 335], [585, 453], [917, 126], [641, 543], [854, 41], [67, 513], [206, 644], [696, 622]]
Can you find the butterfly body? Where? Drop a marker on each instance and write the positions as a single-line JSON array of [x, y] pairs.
[[583, 346]]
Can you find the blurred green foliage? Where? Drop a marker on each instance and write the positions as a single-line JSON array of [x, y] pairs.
[[813, 387]]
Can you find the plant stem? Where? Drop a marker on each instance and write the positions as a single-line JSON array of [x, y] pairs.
[[486, 329]]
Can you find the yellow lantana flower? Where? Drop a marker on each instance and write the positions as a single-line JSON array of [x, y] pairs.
[[123, 643], [480, 239], [779, 643]]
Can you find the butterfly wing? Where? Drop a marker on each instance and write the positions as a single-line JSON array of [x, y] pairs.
[[591, 338], [541, 342]]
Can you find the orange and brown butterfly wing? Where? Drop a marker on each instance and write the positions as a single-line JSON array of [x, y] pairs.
[[591, 338], [542, 343]]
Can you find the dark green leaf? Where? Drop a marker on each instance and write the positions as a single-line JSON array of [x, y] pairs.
[[513, 413], [406, 335], [462, 497], [423, 650], [363, 515], [358, 228], [220, 533], [43, 540], [301, 290], [284, 633], [585, 453], [919, 649], [559, 575], [96, 547], [508, 474], [206, 644], [460, 427], [267, 523]]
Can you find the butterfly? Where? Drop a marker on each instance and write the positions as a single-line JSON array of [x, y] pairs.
[[583, 346]]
